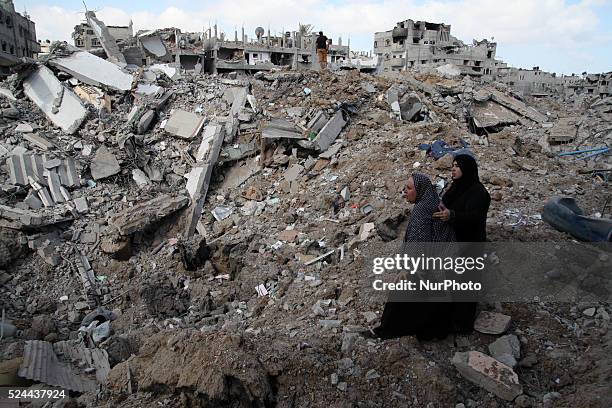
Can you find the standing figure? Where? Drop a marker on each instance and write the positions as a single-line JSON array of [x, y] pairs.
[[322, 47], [464, 206]]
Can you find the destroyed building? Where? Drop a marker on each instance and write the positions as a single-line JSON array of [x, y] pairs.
[[411, 43], [83, 35], [294, 50], [171, 237], [17, 36], [534, 82]]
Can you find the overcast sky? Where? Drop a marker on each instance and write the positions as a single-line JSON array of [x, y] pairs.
[[557, 35]]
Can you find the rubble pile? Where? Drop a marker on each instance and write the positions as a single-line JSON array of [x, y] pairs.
[[184, 239]]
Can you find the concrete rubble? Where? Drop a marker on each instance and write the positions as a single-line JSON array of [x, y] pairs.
[[223, 219], [489, 373], [61, 105]]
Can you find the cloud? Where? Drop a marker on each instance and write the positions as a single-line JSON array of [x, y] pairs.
[[556, 25]]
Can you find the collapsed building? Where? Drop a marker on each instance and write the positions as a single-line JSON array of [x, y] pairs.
[[295, 50], [84, 37], [17, 36], [171, 237], [411, 43]]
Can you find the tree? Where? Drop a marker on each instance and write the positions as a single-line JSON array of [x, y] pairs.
[[305, 29]]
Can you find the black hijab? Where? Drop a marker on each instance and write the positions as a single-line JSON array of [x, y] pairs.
[[469, 177]]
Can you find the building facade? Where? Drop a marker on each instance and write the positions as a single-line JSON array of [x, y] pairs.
[[264, 52], [84, 37], [411, 43], [17, 36]]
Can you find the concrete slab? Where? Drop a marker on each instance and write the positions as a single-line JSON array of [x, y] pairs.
[[171, 71], [488, 373], [95, 71], [24, 128], [153, 44], [106, 39], [104, 164], [330, 131], [68, 174], [141, 215], [183, 124], [240, 97], [81, 205], [61, 106], [53, 181], [281, 129], [38, 141], [207, 138], [33, 202]]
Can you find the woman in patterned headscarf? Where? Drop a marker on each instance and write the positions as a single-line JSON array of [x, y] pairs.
[[426, 320]]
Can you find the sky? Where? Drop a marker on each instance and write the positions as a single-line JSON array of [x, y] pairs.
[[563, 36]]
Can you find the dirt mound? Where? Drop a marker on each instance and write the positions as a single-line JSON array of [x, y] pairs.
[[209, 370]]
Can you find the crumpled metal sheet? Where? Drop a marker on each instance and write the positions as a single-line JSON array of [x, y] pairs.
[[40, 363]]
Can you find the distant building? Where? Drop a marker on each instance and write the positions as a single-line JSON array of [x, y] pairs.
[[293, 49], [17, 36], [412, 43], [84, 37]]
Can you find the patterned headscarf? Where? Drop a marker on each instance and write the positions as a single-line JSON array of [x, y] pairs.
[[422, 227]]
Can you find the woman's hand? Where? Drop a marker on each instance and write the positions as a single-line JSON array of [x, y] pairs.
[[443, 214]]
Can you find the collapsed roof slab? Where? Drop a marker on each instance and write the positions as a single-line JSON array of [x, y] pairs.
[[183, 124], [61, 106], [153, 44], [106, 39], [95, 71]]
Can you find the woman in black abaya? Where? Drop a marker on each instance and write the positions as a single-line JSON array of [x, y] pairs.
[[464, 206], [426, 320]]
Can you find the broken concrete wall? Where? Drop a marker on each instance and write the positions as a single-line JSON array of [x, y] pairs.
[[63, 108], [106, 39], [95, 71], [153, 44]]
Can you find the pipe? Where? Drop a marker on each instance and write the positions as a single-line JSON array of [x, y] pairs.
[[582, 151], [607, 149]]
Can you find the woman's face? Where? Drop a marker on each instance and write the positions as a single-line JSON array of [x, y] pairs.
[[456, 171], [410, 191]]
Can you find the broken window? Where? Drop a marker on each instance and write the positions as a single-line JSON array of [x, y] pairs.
[[415, 40], [375, 44], [387, 42], [401, 42], [90, 32], [465, 62], [423, 61], [490, 54]]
